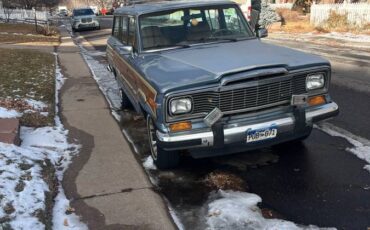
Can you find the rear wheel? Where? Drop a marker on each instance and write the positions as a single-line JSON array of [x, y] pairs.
[[125, 102], [162, 159]]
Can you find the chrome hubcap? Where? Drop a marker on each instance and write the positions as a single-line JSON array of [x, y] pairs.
[[152, 140]]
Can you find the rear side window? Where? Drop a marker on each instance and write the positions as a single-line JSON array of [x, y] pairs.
[[132, 32], [120, 28], [124, 30], [116, 26]]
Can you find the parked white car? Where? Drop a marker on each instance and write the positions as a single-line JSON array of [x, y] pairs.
[[84, 18]]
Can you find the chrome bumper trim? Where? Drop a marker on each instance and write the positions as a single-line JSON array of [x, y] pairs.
[[321, 110], [229, 131]]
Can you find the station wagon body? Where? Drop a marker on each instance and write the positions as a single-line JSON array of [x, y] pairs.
[[207, 84]]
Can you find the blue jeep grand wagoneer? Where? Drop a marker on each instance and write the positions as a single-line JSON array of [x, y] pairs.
[[207, 84]]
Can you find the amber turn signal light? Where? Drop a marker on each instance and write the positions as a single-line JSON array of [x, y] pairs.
[[317, 100], [180, 126]]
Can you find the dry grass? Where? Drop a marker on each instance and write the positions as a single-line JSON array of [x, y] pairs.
[[339, 23], [17, 38], [293, 22], [288, 15], [225, 181], [19, 33], [17, 28], [27, 74]]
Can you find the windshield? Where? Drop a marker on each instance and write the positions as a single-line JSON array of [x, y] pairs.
[[193, 25], [82, 12]]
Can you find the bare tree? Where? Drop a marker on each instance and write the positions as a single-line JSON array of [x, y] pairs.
[[29, 4], [8, 7], [103, 3]]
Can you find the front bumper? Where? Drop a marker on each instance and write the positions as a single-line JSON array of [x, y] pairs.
[[290, 126], [81, 25]]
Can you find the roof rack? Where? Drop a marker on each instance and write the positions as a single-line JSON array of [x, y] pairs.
[[134, 2]]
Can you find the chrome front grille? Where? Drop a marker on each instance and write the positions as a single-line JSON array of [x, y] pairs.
[[86, 20], [259, 96]]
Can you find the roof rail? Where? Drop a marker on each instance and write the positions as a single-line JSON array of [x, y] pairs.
[[133, 2]]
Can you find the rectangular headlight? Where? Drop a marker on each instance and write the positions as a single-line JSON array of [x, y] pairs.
[[180, 106], [315, 81]]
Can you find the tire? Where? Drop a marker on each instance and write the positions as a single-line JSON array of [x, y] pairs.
[[125, 101], [97, 28], [162, 159]]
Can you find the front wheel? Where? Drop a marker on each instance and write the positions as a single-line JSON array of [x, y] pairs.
[[162, 159]]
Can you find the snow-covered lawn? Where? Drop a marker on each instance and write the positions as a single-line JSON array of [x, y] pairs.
[[31, 174]]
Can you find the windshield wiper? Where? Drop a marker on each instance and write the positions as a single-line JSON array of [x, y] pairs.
[[174, 46], [220, 39], [230, 39]]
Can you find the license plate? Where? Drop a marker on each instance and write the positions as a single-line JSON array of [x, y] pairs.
[[261, 134]]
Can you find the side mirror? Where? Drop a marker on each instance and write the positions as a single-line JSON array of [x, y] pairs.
[[126, 50], [262, 33]]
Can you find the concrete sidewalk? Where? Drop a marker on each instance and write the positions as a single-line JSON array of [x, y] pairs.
[[107, 186]]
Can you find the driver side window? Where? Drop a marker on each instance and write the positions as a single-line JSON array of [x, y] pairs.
[[232, 20], [132, 33], [213, 19]]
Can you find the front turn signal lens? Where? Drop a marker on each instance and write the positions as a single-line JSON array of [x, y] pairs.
[[317, 100], [180, 126]]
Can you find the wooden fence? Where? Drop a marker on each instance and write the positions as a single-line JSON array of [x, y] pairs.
[[358, 14], [281, 5]]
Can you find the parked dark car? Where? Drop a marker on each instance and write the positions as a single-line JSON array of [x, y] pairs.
[[207, 84]]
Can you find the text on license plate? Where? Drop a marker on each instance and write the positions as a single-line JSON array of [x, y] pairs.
[[261, 134]]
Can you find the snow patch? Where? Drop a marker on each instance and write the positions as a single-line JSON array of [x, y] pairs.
[[348, 37], [149, 163], [8, 113], [60, 222], [361, 146], [105, 79], [37, 105], [239, 210]]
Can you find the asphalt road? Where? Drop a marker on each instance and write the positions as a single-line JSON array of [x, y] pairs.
[[318, 182]]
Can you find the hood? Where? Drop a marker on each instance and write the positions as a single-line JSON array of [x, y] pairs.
[[206, 64]]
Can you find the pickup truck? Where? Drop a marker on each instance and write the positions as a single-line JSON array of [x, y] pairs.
[[208, 85]]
